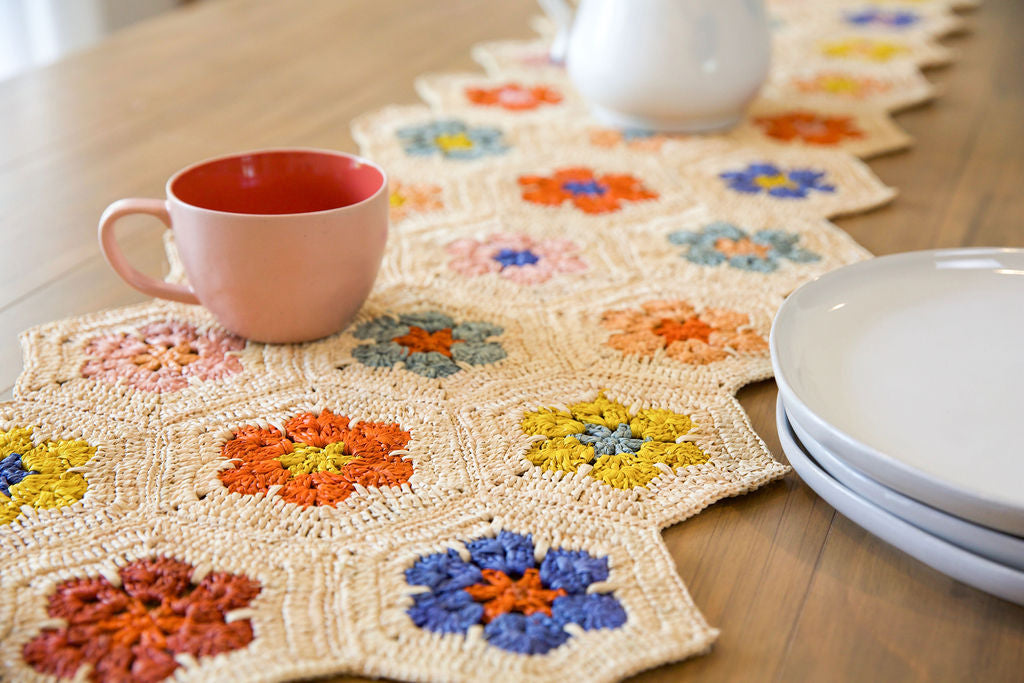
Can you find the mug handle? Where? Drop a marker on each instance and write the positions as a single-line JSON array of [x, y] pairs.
[[561, 13], [117, 261]]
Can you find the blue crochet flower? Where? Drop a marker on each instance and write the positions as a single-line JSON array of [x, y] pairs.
[[760, 252], [794, 183], [452, 139], [430, 344], [898, 19], [524, 608]]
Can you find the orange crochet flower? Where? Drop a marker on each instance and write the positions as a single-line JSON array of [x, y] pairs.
[[500, 594], [514, 97], [318, 460], [809, 127], [842, 85], [686, 334], [408, 199], [588, 192]]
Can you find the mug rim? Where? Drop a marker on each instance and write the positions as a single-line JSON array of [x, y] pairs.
[[267, 150]]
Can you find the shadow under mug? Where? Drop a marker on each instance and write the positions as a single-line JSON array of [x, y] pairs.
[[281, 245]]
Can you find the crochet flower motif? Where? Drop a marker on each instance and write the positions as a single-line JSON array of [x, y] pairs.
[[588, 192], [842, 85], [608, 442], [317, 459], [796, 183], [516, 257], [633, 138], [430, 344], [880, 18], [722, 242], [407, 199], [162, 357], [809, 127], [451, 139], [514, 97], [684, 333], [134, 630], [523, 607], [867, 49], [38, 475]]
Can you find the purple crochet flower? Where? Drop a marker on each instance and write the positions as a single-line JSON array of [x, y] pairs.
[[524, 608], [794, 183]]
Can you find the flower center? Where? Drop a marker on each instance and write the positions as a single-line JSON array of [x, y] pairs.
[[607, 442], [453, 141], [584, 187], [769, 182], [396, 199], [158, 356], [500, 594], [673, 330], [511, 257], [515, 96], [418, 339], [306, 459], [741, 247], [12, 471]]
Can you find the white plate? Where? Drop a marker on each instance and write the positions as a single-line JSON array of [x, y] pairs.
[[947, 558], [911, 368], [1002, 548]]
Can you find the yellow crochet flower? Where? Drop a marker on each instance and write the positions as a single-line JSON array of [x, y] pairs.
[[869, 49], [624, 450], [37, 475]]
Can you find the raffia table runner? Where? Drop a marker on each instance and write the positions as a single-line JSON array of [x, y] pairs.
[[470, 482]]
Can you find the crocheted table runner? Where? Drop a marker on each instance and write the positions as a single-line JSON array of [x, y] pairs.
[[470, 481]]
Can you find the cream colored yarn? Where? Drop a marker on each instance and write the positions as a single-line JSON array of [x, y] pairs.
[[551, 328]]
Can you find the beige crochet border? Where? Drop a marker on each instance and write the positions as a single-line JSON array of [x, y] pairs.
[[334, 596]]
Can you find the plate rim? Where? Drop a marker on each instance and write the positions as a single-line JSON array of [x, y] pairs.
[[942, 556]]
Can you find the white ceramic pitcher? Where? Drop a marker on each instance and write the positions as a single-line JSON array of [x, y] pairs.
[[664, 65]]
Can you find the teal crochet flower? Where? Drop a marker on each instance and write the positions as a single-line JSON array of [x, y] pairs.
[[430, 344], [760, 252], [452, 139]]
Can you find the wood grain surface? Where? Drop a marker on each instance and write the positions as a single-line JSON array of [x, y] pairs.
[[799, 592]]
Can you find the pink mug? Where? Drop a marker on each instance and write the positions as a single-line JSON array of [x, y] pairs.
[[281, 245]]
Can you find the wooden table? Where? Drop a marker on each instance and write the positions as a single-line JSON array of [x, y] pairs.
[[799, 592]]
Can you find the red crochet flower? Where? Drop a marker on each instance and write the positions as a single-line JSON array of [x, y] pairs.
[[133, 631], [318, 460], [588, 192], [514, 97], [809, 127]]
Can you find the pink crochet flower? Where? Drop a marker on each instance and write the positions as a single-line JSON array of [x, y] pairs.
[[516, 257], [162, 356]]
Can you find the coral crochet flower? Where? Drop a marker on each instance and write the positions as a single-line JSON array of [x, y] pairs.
[[842, 85], [867, 49], [132, 631], [430, 344], [162, 356], [317, 460], [809, 127], [760, 252], [633, 138], [514, 97], [37, 475], [407, 199], [795, 183], [516, 257], [684, 333], [623, 449], [452, 139], [523, 607], [587, 191]]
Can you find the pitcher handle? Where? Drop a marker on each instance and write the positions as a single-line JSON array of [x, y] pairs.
[[561, 13]]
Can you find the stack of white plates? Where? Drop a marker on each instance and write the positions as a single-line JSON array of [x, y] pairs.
[[901, 403]]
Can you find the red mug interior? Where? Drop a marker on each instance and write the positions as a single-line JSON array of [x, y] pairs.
[[277, 182]]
